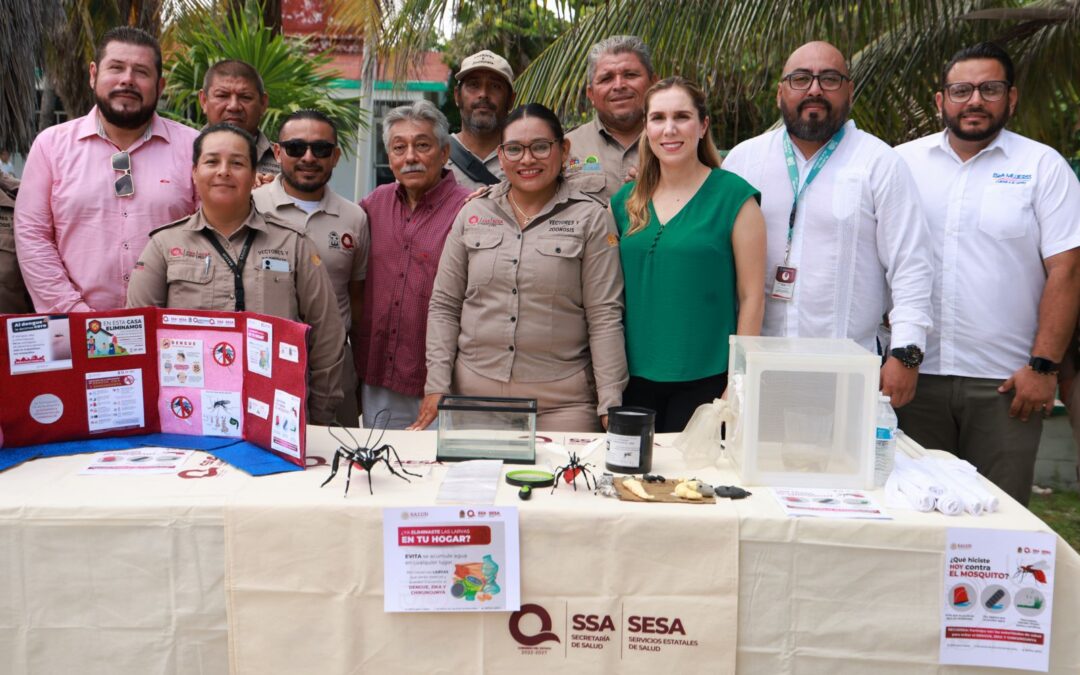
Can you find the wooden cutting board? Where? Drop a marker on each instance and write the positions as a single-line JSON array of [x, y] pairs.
[[661, 491]]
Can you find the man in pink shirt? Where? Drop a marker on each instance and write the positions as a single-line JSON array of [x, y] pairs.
[[408, 220], [93, 188]]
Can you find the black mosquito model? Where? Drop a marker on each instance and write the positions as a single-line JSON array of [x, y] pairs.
[[571, 471], [366, 456]]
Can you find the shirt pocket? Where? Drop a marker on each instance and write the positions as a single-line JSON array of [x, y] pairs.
[[847, 195], [190, 285], [278, 296], [1005, 212], [483, 251], [559, 265]]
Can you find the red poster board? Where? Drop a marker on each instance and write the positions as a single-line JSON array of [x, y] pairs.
[[129, 372]]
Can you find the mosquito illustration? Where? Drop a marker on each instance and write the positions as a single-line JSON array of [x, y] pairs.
[[1035, 569]]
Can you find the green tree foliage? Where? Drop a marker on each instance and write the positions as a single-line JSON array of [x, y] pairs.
[[294, 78], [736, 50]]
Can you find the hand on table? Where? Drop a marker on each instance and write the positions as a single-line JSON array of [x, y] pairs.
[[898, 382], [1034, 392], [429, 408]]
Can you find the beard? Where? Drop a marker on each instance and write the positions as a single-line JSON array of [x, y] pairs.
[[304, 186], [815, 130], [952, 122], [481, 124], [125, 119]]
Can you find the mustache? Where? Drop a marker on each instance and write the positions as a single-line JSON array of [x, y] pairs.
[[125, 90], [816, 100], [974, 109], [413, 168]]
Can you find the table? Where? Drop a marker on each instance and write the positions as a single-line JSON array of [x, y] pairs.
[[219, 572]]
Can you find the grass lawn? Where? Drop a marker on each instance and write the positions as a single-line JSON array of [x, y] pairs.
[[1061, 511]]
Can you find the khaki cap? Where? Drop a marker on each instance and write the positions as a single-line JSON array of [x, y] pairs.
[[486, 60]]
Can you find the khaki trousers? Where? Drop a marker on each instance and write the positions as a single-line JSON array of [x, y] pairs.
[[568, 404], [969, 418], [348, 413]]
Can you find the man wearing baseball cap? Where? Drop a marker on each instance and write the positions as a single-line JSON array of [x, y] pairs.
[[484, 95]]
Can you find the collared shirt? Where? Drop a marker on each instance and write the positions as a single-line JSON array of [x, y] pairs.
[[283, 276], [13, 297], [532, 305], [491, 162], [77, 241], [405, 248], [264, 151], [599, 160], [339, 229], [861, 244], [993, 219]]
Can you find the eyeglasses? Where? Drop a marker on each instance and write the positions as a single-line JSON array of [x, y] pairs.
[[296, 148], [538, 149], [991, 90], [830, 80], [124, 185]]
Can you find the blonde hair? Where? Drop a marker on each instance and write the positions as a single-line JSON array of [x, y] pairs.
[[648, 169]]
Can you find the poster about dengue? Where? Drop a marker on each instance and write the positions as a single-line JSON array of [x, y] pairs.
[[451, 559], [999, 590]]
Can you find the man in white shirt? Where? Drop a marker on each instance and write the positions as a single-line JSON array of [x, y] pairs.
[[850, 243], [1004, 214], [307, 152]]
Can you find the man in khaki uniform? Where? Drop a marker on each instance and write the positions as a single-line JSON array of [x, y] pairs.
[[484, 95], [539, 309], [233, 92], [281, 273], [307, 151], [604, 150], [13, 296]]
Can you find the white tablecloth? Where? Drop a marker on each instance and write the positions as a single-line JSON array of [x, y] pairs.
[[115, 574]]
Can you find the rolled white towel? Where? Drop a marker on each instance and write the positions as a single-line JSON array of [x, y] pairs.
[[949, 505]]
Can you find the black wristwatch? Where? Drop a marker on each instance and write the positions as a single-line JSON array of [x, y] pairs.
[[1043, 366], [911, 356]]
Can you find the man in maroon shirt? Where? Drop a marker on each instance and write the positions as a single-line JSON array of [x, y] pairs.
[[409, 220]]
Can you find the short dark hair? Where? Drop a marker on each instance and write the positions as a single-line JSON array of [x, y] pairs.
[[233, 68], [539, 111], [983, 50], [310, 114], [131, 36], [223, 126]]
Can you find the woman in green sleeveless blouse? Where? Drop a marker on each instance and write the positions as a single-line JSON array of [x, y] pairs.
[[693, 258]]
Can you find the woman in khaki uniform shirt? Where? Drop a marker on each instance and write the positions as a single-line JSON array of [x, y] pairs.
[[527, 301], [280, 270]]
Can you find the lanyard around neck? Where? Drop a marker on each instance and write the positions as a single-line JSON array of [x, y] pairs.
[[236, 267], [793, 174]]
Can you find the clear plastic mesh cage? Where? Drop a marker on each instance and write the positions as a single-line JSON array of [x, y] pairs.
[[805, 411], [472, 427]]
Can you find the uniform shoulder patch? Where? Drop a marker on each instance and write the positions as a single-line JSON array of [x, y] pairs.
[[180, 221]]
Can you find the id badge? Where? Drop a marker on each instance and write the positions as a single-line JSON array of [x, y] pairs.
[[784, 283]]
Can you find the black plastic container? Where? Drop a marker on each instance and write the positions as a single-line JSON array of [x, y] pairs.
[[630, 439]]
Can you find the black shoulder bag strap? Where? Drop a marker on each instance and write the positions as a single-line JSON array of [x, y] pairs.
[[236, 267], [467, 162]]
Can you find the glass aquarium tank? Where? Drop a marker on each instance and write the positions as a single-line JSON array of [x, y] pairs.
[[476, 427]]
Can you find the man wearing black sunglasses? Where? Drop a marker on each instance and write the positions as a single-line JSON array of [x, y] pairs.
[[307, 152], [1003, 217]]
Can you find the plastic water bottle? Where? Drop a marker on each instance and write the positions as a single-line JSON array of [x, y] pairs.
[[884, 441]]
